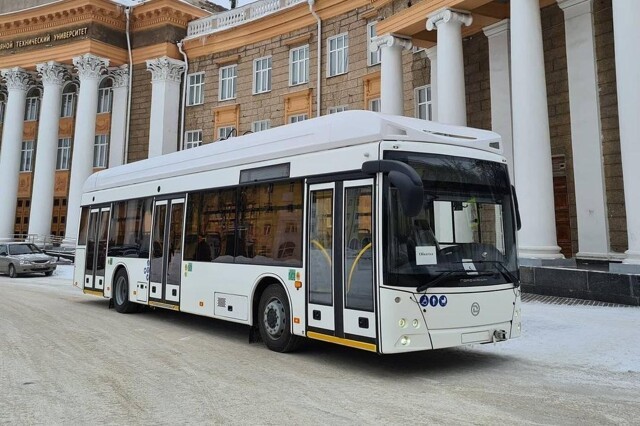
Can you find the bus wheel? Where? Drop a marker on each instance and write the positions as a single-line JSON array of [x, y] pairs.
[[121, 294], [274, 317]]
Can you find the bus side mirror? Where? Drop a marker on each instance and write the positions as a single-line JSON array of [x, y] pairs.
[[403, 177], [515, 202]]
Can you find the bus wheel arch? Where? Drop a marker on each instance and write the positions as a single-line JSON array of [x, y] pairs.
[[272, 315]]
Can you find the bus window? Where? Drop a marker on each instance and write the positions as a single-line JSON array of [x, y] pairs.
[[321, 247], [84, 226], [130, 229]]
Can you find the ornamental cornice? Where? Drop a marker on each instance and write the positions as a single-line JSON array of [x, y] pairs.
[[52, 73], [445, 16], [165, 69], [162, 16], [17, 79], [120, 76], [47, 18], [90, 67], [389, 40]]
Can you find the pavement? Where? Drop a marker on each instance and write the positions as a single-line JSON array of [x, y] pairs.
[[65, 358]]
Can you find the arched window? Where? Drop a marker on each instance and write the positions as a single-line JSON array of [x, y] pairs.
[[33, 104], [68, 99], [104, 95]]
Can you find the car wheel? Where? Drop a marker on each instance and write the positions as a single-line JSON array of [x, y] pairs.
[[121, 294], [48, 273], [274, 320], [12, 271]]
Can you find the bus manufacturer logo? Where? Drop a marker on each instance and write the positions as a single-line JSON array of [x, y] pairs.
[[475, 309]]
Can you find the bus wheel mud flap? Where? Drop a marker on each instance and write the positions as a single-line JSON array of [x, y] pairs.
[[254, 335]]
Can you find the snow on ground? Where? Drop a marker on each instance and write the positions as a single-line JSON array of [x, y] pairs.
[[64, 272], [585, 336]]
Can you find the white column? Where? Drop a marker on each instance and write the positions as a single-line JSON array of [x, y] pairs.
[[432, 54], [391, 81], [165, 104], [500, 82], [586, 137], [626, 33], [53, 76], [452, 104], [90, 69], [18, 81], [531, 139], [118, 136]]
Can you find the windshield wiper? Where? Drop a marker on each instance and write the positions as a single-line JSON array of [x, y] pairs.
[[506, 273], [446, 275]]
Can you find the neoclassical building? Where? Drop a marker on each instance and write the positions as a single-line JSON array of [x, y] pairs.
[[89, 84]]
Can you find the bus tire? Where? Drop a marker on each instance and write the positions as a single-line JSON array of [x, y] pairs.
[[274, 320], [121, 294]]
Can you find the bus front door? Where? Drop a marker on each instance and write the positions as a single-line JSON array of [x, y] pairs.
[[340, 268], [96, 255], [165, 257]]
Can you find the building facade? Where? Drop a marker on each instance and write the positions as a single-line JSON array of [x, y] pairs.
[[553, 77]]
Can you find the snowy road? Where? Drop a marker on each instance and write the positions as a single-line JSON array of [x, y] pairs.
[[66, 358]]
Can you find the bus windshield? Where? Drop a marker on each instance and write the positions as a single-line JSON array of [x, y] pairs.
[[465, 233]]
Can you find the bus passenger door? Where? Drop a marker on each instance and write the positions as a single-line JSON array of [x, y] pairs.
[[165, 257], [340, 273], [320, 255], [96, 255]]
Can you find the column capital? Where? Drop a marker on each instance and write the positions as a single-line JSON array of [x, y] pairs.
[[497, 28], [389, 40], [444, 16], [52, 73], [17, 79], [120, 76], [575, 8], [90, 67], [165, 69]]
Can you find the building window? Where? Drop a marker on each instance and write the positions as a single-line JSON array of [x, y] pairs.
[[374, 57], [338, 51], [423, 102], [374, 105], [298, 117], [226, 132], [299, 65], [195, 89], [32, 105], [262, 75], [104, 96], [333, 110], [258, 126], [26, 156], [192, 139], [64, 154], [100, 151], [228, 77], [68, 100]]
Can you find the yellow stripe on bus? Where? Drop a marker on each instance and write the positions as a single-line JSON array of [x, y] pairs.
[[164, 305], [345, 342], [93, 292]]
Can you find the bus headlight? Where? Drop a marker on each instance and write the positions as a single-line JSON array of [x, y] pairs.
[[416, 323], [404, 341], [402, 323]]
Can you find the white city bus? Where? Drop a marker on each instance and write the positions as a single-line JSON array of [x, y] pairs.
[[384, 233]]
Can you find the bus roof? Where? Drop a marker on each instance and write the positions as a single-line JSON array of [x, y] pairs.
[[318, 134]]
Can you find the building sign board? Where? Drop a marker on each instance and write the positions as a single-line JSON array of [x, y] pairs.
[[42, 39]]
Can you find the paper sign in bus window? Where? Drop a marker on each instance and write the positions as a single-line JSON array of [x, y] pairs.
[[426, 255]]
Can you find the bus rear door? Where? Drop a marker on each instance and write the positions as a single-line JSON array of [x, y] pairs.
[[340, 267], [96, 255]]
